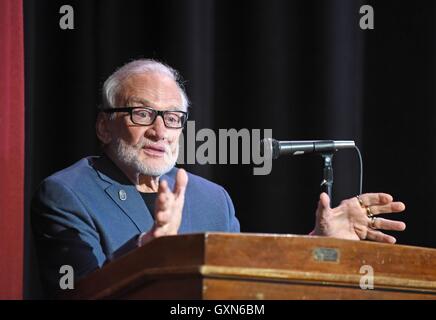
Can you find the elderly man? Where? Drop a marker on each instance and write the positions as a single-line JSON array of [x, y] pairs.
[[102, 207]]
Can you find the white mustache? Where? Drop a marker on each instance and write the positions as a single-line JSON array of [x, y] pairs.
[[147, 143]]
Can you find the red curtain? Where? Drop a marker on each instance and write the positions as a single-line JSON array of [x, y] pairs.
[[11, 149]]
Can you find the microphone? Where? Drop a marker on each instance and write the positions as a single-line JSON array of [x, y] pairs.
[[277, 148]]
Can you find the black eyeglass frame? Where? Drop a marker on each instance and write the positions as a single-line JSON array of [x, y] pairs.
[[156, 113]]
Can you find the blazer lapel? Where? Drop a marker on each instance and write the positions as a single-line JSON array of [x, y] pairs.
[[131, 202], [124, 194]]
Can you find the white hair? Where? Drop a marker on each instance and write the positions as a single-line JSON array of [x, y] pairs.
[[113, 84]]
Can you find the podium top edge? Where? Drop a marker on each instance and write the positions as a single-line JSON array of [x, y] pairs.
[[207, 235]]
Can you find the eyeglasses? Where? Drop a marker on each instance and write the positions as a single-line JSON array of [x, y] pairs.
[[146, 116]]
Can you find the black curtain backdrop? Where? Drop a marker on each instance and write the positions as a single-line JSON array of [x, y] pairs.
[[302, 68]]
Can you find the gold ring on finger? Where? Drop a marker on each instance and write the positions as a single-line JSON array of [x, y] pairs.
[[372, 222], [360, 201], [369, 212]]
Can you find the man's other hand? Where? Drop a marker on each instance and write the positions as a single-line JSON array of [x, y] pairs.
[[357, 218]]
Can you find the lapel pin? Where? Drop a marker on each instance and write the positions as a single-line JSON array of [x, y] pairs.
[[122, 194]]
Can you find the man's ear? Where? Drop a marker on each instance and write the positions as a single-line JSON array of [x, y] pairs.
[[102, 128]]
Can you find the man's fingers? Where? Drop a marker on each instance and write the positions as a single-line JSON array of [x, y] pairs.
[[167, 212], [163, 187], [385, 224], [165, 197], [324, 201], [163, 213], [164, 201], [181, 182], [162, 218], [379, 236], [372, 199], [388, 208]]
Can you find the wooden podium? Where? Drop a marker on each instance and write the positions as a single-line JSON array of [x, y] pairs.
[[264, 266]]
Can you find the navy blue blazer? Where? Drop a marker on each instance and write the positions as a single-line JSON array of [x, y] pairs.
[[90, 213]]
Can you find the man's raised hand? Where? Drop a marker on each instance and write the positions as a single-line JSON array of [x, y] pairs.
[[168, 209]]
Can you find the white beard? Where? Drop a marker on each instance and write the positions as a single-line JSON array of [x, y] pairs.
[[129, 156]]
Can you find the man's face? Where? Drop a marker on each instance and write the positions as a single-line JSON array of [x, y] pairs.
[[148, 150]]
